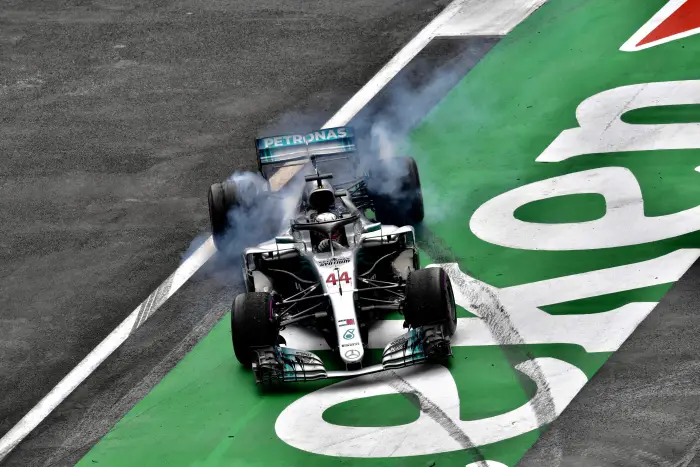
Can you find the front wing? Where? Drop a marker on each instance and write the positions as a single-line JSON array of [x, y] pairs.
[[283, 364]]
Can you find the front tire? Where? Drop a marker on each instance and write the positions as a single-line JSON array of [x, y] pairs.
[[430, 300], [252, 325]]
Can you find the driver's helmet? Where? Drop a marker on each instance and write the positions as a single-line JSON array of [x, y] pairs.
[[326, 217]]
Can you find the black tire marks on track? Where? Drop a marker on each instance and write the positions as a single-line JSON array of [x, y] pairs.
[[153, 302], [489, 308], [432, 410]]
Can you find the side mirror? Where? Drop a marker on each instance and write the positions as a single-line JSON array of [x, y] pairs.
[[284, 239], [371, 227]]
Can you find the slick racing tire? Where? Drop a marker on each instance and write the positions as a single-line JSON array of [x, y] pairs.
[[223, 197], [430, 300], [252, 325], [396, 192]]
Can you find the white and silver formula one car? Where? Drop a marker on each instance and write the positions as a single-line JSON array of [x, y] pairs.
[[334, 269]]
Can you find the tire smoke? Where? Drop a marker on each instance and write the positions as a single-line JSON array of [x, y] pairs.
[[259, 216], [390, 127], [385, 131]]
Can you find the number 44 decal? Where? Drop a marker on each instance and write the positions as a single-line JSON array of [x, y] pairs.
[[333, 279]]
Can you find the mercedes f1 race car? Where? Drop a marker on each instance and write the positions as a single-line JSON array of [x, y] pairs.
[[347, 258]]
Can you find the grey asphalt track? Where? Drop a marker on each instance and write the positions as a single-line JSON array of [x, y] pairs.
[[642, 408], [115, 116]]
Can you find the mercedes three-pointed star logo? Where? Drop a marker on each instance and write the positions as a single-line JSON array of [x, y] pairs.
[[352, 354]]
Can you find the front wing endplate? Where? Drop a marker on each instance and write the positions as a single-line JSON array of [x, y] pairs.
[[284, 364]]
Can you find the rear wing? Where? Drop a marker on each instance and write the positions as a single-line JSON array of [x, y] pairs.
[[276, 151]]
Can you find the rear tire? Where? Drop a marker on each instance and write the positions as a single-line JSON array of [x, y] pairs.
[[223, 197], [430, 300], [396, 192], [252, 325]]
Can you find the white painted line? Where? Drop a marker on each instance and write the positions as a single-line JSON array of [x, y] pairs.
[[460, 18], [492, 18], [105, 348], [202, 254], [400, 60], [662, 15]]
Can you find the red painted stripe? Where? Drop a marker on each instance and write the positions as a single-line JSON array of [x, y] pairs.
[[685, 18]]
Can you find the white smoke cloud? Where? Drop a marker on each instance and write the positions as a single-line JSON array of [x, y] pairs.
[[383, 130], [386, 124], [260, 216]]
